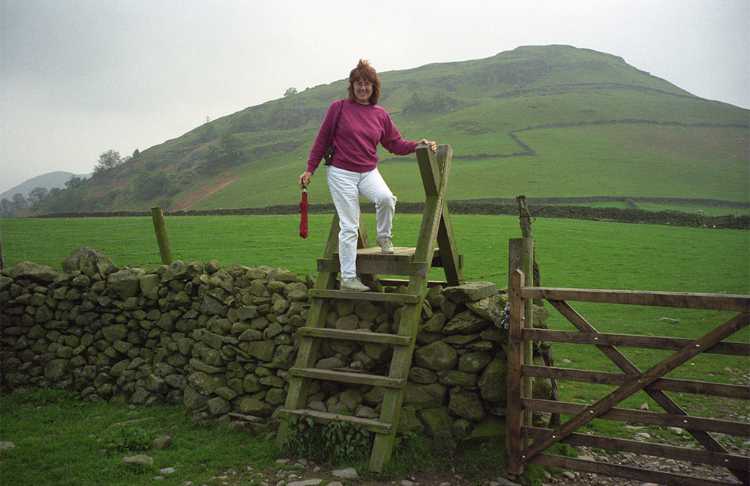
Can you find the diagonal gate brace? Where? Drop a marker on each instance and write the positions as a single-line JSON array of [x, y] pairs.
[[636, 383], [580, 322]]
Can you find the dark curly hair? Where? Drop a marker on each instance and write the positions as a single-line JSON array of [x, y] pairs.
[[365, 71]]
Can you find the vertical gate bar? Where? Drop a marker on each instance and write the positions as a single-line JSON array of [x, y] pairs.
[[527, 262], [527, 267], [514, 413]]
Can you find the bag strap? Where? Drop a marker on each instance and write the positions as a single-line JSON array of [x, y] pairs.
[[336, 122]]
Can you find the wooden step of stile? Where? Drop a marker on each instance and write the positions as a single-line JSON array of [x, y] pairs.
[[372, 261], [371, 296], [360, 336], [355, 378], [370, 424]]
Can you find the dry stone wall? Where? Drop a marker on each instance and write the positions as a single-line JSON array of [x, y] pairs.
[[221, 339]]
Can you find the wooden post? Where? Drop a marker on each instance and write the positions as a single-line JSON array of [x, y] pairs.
[[534, 279], [161, 235], [527, 267], [514, 412]]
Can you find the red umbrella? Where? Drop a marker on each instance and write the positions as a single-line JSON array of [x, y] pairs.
[[303, 214]]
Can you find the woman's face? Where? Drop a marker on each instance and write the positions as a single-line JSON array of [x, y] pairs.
[[362, 91]]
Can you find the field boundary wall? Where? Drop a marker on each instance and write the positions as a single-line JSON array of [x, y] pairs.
[[220, 340]]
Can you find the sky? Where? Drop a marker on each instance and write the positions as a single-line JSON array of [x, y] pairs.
[[80, 77]]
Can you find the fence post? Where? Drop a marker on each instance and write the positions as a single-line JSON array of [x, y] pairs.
[[514, 413], [161, 235], [527, 267]]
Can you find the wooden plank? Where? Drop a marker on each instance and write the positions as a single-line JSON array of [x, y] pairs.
[[741, 392], [450, 260], [667, 384], [399, 252], [631, 340], [630, 368], [733, 461], [366, 266], [370, 296], [429, 171], [435, 188], [527, 262], [514, 412], [369, 424], [399, 282], [629, 472], [638, 382], [685, 300], [400, 365], [597, 377], [347, 377], [643, 417], [359, 336]]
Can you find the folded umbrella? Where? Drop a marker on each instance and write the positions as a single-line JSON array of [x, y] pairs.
[[303, 214]]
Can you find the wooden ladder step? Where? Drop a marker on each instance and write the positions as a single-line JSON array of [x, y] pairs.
[[361, 336], [348, 377], [402, 282], [400, 262], [370, 424], [371, 296]]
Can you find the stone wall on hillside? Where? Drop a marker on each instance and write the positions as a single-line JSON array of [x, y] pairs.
[[221, 339]]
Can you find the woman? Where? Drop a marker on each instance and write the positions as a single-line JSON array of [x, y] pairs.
[[354, 127]]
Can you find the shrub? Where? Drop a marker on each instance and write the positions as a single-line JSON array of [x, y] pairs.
[[127, 439], [335, 442]]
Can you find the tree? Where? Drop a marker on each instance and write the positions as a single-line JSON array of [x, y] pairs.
[[19, 201], [226, 152], [136, 153], [37, 195], [148, 186], [290, 92], [73, 182], [6, 208], [107, 161]]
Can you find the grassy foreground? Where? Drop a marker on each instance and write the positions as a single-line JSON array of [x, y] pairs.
[[62, 441]]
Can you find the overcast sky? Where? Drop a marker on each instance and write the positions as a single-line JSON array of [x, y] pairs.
[[78, 77]]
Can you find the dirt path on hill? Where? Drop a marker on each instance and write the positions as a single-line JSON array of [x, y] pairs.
[[202, 193]]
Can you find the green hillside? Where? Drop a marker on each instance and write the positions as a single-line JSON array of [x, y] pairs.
[[547, 121]]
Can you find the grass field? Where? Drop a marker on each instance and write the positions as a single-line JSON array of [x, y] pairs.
[[583, 254], [572, 253], [62, 441]]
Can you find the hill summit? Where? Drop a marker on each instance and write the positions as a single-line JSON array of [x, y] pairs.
[[546, 121]]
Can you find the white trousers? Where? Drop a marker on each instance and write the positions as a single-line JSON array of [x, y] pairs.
[[346, 187]]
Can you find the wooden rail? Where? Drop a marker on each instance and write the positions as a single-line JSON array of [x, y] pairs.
[[527, 444]]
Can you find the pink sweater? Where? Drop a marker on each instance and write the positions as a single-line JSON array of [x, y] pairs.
[[360, 129]]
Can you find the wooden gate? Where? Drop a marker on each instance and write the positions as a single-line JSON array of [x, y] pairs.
[[527, 444]]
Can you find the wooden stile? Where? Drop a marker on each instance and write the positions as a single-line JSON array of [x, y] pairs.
[[414, 262]]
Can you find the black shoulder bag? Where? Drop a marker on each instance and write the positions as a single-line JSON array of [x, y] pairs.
[[331, 150]]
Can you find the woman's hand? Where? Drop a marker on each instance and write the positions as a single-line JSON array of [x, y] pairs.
[[304, 179], [430, 143]]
